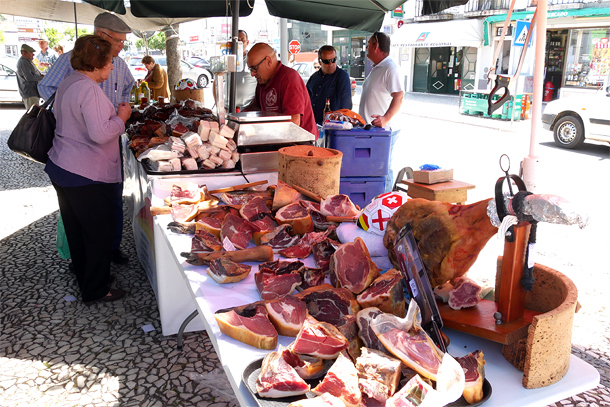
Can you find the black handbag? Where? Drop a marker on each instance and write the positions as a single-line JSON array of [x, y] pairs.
[[33, 136]]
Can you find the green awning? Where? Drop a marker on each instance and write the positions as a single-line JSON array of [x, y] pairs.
[[527, 15]]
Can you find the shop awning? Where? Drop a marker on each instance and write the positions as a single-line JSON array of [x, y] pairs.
[[453, 33]]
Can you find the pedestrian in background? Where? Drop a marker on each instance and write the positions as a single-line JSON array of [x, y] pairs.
[[85, 165], [329, 83], [117, 87], [59, 49], [382, 92], [28, 77], [156, 78], [46, 57]]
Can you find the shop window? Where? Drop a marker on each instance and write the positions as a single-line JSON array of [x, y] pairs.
[[588, 62]]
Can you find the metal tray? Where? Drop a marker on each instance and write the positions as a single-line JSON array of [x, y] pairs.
[[252, 371], [257, 117]]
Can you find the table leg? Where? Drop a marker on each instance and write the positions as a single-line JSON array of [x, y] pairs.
[[184, 325]]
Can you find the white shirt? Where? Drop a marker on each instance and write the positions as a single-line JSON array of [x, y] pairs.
[[377, 89]]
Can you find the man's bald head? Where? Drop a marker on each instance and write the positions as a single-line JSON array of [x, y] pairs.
[[262, 62]]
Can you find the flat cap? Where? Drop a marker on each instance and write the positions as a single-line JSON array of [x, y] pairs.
[[112, 23], [26, 47]]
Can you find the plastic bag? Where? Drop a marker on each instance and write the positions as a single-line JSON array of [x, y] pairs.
[[62, 240]]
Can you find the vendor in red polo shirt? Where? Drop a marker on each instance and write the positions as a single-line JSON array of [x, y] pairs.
[[280, 89]]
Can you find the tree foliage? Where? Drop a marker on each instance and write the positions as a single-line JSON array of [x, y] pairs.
[[70, 33], [53, 35]]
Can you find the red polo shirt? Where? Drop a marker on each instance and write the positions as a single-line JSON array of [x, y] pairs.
[[286, 93]]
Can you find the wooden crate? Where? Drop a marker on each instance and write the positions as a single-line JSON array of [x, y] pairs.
[[432, 177]]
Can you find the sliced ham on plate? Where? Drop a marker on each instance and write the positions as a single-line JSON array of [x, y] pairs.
[[278, 379], [341, 381], [319, 339]]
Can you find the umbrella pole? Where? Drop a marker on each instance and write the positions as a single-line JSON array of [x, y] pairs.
[[75, 23], [530, 162], [234, 50]]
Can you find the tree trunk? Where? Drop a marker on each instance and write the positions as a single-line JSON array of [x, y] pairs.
[[174, 70]]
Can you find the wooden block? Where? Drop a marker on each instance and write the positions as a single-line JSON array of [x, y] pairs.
[[432, 177], [450, 191]]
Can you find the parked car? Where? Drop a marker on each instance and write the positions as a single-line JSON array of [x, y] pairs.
[[576, 118], [202, 76], [9, 90], [306, 69], [199, 62]]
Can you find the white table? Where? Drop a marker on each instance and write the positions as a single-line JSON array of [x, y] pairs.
[[235, 356]]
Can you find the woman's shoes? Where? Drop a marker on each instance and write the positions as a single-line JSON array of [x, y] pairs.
[[113, 295]]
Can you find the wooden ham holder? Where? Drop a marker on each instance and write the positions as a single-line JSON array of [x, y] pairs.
[[505, 320]]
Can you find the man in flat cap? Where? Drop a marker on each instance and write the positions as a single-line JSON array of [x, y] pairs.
[[117, 87], [28, 77]]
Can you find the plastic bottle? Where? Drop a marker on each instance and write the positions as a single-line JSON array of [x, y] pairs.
[[327, 109]]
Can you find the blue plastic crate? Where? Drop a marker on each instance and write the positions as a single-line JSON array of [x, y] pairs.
[[365, 152], [361, 190]]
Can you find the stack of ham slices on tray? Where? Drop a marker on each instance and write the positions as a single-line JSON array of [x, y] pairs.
[[353, 333]]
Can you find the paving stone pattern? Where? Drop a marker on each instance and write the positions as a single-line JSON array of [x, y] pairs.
[[55, 352]]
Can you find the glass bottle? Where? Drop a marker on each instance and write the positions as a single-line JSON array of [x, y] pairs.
[[326, 109]]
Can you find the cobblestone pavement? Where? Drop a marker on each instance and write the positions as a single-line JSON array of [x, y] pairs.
[[55, 352]]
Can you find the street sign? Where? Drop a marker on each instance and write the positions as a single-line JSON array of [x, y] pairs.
[[521, 33], [294, 47]]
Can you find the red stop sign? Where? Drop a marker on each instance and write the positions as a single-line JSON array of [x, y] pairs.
[[294, 47]]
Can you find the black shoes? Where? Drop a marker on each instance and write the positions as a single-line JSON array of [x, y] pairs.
[[118, 257], [114, 295]]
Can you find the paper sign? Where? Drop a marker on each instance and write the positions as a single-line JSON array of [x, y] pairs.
[[228, 245], [148, 328], [70, 298]]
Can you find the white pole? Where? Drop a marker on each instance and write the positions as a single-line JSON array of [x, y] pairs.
[[284, 41], [530, 162]]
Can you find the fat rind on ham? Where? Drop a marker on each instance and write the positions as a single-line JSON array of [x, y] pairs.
[[287, 314], [473, 365], [248, 324], [352, 266], [319, 339], [225, 271], [378, 374], [341, 381], [385, 293], [278, 379]]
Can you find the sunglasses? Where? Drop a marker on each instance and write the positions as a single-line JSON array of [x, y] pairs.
[[255, 67], [329, 61], [119, 42]]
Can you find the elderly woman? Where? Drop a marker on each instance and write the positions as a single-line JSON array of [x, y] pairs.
[[85, 165], [156, 78]]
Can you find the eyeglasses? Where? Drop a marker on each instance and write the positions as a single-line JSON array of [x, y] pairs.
[[328, 61], [119, 42], [255, 67]]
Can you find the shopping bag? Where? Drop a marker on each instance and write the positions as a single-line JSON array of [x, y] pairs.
[[33, 136], [62, 240]]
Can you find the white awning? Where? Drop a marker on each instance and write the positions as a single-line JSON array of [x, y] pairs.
[[452, 33]]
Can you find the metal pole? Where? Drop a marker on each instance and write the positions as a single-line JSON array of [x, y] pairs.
[[234, 48], [284, 41], [75, 23], [530, 162]]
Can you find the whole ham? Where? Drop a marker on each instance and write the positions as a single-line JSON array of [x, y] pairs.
[[378, 374], [449, 237], [225, 271], [239, 231], [338, 205], [248, 324], [341, 381], [473, 365], [385, 293], [329, 304], [353, 267], [464, 294], [278, 379], [319, 339], [287, 314]]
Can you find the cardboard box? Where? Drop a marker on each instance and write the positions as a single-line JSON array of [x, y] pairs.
[[432, 177], [195, 94]]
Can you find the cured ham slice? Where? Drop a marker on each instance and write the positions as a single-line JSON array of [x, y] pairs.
[[322, 251], [218, 212], [287, 314], [353, 267], [280, 238], [325, 400], [211, 225], [385, 293], [311, 277], [225, 271], [308, 367], [254, 209], [329, 304], [278, 379], [465, 294], [341, 381], [349, 328], [319, 339], [191, 194], [239, 231], [473, 365], [449, 237], [284, 195], [242, 197], [248, 324], [296, 216], [365, 332], [205, 242], [378, 374], [304, 247], [338, 205], [183, 213], [271, 286], [266, 224], [319, 221]]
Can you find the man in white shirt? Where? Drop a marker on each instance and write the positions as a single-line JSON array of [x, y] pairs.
[[382, 92]]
